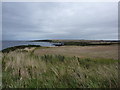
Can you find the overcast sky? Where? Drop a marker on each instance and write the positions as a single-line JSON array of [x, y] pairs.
[[60, 20]]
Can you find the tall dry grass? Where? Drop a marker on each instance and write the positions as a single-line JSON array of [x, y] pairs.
[[27, 70]]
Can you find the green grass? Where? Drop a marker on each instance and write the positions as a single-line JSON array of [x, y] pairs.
[[26, 70]]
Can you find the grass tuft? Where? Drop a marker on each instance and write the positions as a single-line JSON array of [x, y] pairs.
[[27, 70]]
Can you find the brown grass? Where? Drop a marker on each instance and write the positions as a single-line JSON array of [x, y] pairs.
[[110, 51]]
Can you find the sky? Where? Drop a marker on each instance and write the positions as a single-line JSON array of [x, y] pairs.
[[59, 20]]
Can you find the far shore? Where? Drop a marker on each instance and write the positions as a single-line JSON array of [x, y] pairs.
[[79, 42]]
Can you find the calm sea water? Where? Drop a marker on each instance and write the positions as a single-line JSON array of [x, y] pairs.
[[7, 44]]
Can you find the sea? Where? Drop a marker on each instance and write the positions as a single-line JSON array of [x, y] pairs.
[[7, 44]]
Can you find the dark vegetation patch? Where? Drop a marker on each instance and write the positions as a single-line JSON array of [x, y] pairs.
[[7, 50], [85, 43]]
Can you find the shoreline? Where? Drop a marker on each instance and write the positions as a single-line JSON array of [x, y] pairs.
[[7, 50]]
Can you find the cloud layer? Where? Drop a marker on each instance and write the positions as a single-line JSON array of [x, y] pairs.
[[59, 20]]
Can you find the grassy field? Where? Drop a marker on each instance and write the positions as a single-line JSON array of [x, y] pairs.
[[61, 67], [110, 51]]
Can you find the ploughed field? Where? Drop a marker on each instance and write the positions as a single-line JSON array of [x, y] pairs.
[[61, 67]]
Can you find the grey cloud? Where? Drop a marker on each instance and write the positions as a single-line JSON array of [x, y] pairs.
[[49, 20]]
